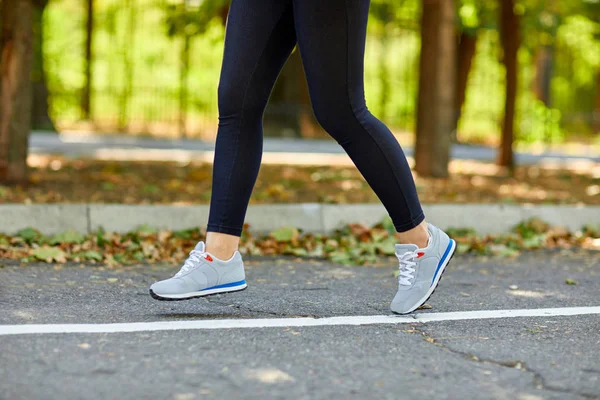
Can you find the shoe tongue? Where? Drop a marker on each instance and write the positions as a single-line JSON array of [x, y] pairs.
[[200, 246], [406, 248]]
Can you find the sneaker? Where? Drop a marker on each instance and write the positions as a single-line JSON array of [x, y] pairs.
[[202, 274], [421, 270]]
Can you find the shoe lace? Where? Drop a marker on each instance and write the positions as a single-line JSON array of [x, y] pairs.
[[195, 258], [407, 269]]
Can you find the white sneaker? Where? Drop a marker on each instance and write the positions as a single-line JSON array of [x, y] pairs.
[[421, 270], [202, 274]]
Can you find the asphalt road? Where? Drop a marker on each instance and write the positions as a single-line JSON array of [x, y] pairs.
[[514, 358]]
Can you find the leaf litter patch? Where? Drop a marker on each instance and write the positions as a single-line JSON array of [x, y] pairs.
[[354, 244]]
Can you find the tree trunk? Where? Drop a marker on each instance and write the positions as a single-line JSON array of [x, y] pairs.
[[384, 75], [467, 46], [184, 67], [86, 95], [40, 119], [544, 63], [224, 13], [596, 114], [16, 46], [128, 67], [510, 37], [436, 109], [289, 112], [543, 73]]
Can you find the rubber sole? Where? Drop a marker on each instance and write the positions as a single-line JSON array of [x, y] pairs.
[[435, 286], [196, 296]]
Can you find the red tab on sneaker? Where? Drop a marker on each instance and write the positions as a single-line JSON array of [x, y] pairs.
[[208, 258], [420, 254]]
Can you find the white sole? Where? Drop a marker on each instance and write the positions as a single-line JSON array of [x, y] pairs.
[[191, 295], [435, 283]]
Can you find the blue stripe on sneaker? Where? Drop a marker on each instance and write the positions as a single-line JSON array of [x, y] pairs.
[[232, 284], [450, 244]]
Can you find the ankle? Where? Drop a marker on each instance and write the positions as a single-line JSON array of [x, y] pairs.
[[222, 254], [221, 245], [418, 235]]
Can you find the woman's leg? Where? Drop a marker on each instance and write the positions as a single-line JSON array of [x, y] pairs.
[[331, 37], [259, 38]]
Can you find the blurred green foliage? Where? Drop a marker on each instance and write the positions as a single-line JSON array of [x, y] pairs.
[[142, 39]]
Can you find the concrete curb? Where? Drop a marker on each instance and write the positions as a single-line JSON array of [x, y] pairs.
[[311, 217]]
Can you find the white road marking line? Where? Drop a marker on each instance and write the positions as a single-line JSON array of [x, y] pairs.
[[292, 322]]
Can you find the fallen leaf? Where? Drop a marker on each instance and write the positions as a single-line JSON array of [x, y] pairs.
[[67, 237], [49, 254], [285, 234], [28, 234]]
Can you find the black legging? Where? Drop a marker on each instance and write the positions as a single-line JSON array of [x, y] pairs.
[[331, 35]]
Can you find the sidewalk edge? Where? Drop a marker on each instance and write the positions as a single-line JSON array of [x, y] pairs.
[[310, 217]]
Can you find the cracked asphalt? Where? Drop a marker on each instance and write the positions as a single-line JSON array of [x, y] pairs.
[[518, 358]]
